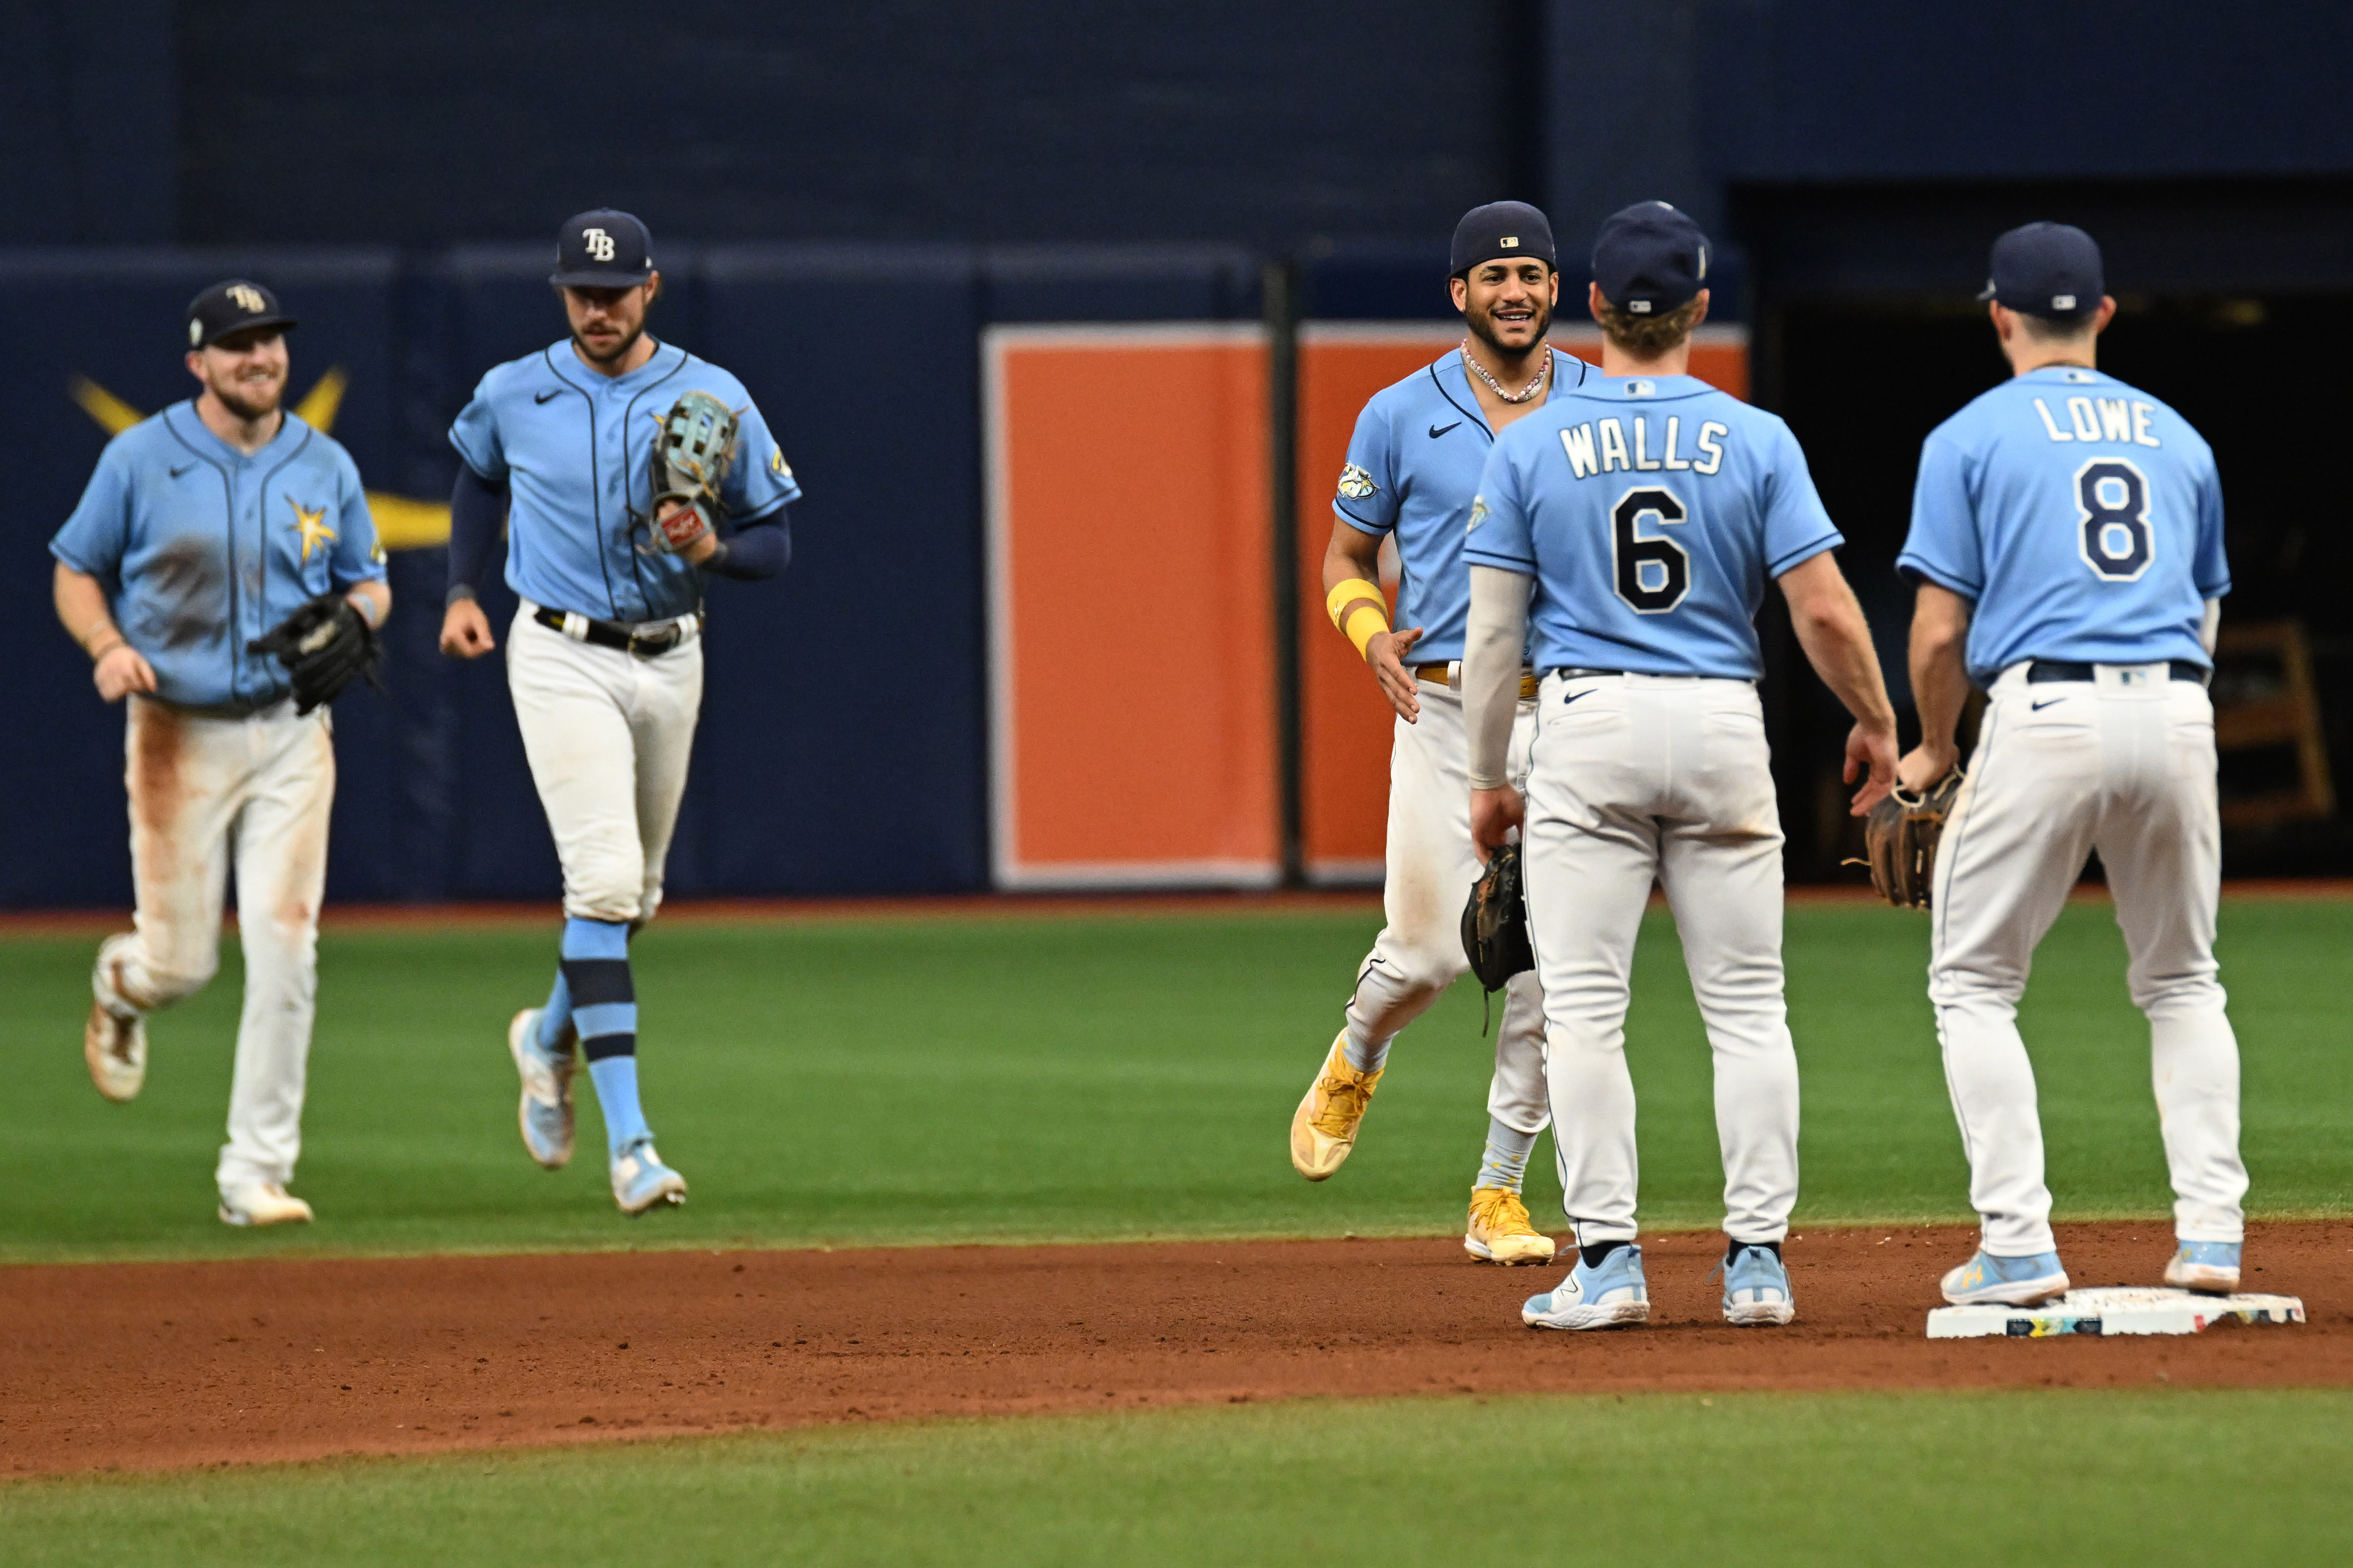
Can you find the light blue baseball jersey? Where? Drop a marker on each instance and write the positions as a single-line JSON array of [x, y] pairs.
[[575, 451], [2082, 516], [1413, 466], [201, 548], [1651, 513]]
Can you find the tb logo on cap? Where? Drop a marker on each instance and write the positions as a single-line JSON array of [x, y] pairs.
[[599, 242], [248, 298]]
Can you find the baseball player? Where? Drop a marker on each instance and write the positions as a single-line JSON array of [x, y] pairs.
[[1412, 467], [1634, 523], [567, 445], [2067, 541], [203, 530]]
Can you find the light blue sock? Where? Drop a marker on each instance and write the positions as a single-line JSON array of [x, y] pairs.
[[557, 1017], [1506, 1163], [616, 1079]]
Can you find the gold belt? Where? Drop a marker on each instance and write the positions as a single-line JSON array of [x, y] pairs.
[[1442, 675]]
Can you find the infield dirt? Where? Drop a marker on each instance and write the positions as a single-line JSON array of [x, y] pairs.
[[156, 1366]]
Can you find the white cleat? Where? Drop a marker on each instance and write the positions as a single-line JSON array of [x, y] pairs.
[[116, 1050], [261, 1203], [545, 1114], [642, 1182]]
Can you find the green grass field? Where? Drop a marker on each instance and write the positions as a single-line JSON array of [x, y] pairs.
[[1053, 1078], [2151, 1478], [931, 1079]]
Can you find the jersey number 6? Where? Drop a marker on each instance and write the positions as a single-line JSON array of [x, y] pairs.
[[2112, 496], [1652, 574]]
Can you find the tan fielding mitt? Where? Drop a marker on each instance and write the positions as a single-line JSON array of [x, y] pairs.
[[1901, 837]]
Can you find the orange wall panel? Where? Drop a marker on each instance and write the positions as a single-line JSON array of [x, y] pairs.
[[1345, 725], [1131, 606]]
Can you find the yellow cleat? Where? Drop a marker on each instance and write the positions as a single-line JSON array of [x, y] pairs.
[[1500, 1231], [1323, 1128]]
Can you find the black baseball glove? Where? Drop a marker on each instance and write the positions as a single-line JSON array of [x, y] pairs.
[[1900, 838], [1496, 923], [325, 645]]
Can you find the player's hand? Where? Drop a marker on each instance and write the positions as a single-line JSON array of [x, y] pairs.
[[1385, 651], [1924, 766], [466, 631], [122, 671], [1873, 749], [1493, 813]]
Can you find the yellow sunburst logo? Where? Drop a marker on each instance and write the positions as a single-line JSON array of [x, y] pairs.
[[311, 525]]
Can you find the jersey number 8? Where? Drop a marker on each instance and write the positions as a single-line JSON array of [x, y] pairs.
[[1652, 574], [2112, 496]]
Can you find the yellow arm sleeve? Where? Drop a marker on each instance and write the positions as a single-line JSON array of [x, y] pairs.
[[1357, 625]]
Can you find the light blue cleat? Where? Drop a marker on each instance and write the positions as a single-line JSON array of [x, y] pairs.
[[1603, 1298], [1987, 1280], [640, 1180], [2210, 1268], [1756, 1287], [545, 1114]]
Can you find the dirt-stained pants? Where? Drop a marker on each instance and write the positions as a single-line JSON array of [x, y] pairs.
[[205, 792]]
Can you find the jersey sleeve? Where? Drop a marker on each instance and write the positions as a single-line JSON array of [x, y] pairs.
[[2213, 568], [1367, 495], [95, 538], [1499, 533], [476, 434], [358, 554], [760, 480], [1943, 546], [1798, 526]]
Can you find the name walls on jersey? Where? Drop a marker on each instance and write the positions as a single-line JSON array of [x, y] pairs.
[[2115, 419], [1601, 446], [402, 522]]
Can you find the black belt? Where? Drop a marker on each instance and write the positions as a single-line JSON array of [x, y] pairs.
[[619, 634], [2043, 670], [1567, 674]]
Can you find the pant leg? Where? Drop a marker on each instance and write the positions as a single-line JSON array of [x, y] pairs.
[[1431, 868], [666, 702], [185, 777], [1720, 865], [2013, 847], [282, 873], [572, 702], [1516, 1095], [2159, 838], [1592, 854]]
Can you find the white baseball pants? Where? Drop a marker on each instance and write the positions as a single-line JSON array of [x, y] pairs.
[[207, 792], [1431, 866], [2122, 764], [608, 735], [1637, 778]]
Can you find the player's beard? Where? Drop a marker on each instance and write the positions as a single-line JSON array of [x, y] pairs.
[[621, 352], [1482, 327], [239, 396]]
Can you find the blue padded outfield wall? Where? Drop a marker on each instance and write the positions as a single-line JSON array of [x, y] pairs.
[[843, 747]]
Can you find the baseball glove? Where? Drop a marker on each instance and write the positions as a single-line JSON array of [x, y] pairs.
[[1900, 839], [325, 645], [1495, 922], [689, 460]]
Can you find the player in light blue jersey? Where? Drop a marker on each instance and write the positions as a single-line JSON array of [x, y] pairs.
[[2067, 541], [605, 658], [204, 528], [1412, 467], [1636, 520]]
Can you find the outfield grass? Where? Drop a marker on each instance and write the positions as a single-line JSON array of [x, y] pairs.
[[1054, 1077], [2150, 1479]]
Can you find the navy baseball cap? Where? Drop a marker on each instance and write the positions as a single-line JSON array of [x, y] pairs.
[[1510, 229], [602, 249], [233, 306], [2048, 269], [1650, 258]]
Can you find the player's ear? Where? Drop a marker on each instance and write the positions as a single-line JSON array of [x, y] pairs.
[[653, 287], [1551, 286], [196, 363], [2103, 315], [1701, 299], [1458, 289], [1593, 300]]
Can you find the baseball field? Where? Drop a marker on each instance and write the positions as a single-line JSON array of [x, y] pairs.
[[993, 1254]]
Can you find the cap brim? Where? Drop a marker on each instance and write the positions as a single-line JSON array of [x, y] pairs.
[[280, 323], [584, 279]]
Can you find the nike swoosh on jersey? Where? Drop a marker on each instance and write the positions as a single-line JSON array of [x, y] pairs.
[[544, 396], [183, 469], [1437, 430]]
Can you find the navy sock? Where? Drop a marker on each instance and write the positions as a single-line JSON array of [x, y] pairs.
[[1594, 1254], [605, 1014], [1735, 1249]]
